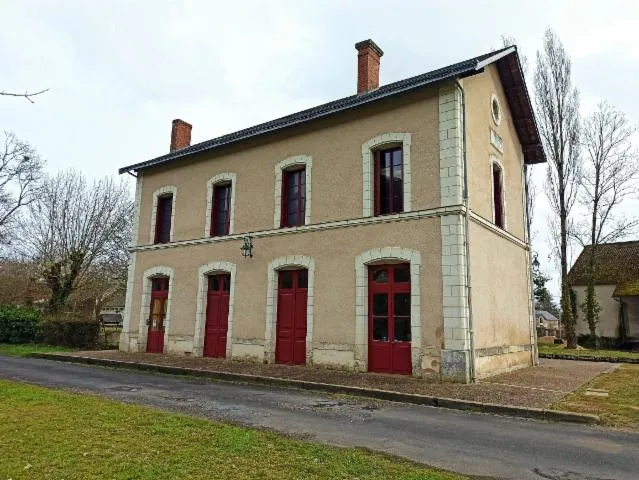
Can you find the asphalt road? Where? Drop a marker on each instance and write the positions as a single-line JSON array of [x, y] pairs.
[[471, 443]]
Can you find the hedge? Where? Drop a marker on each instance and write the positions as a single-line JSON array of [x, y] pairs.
[[70, 332], [18, 324]]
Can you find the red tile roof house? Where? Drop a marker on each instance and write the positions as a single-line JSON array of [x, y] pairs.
[[365, 222]]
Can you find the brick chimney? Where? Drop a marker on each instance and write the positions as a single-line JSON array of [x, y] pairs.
[[180, 134], [368, 55]]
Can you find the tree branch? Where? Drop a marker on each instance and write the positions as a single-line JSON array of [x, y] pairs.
[[26, 95]]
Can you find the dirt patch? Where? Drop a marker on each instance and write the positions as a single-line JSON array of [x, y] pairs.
[[529, 387]]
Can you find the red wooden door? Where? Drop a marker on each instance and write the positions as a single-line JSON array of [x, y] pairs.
[[290, 345], [217, 316], [389, 333], [159, 296]]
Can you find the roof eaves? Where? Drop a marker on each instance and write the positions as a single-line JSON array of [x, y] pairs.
[[461, 69], [356, 101]]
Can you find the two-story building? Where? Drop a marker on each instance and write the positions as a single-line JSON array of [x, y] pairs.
[[382, 232]]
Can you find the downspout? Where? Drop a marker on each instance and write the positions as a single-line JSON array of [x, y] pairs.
[[471, 328], [534, 356]]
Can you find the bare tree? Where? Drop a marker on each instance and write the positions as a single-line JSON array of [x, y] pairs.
[[557, 108], [609, 175], [21, 171], [76, 228], [26, 95]]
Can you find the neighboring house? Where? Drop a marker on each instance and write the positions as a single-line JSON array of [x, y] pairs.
[[547, 323], [363, 238], [616, 289]]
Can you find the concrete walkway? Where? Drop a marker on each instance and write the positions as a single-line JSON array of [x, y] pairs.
[[471, 443]]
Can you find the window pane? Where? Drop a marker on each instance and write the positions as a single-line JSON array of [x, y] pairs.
[[402, 274], [226, 284], [302, 279], [286, 279], [163, 219], [402, 329], [380, 276], [214, 283], [380, 304], [380, 328], [402, 304], [397, 157]]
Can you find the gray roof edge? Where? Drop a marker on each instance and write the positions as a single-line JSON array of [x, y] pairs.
[[461, 69]]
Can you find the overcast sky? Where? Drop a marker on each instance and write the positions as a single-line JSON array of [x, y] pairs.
[[119, 71]]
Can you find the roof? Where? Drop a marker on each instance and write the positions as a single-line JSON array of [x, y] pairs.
[[614, 263], [510, 72], [545, 315], [627, 289]]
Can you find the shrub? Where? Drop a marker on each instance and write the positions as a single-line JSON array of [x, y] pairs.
[[65, 330], [604, 342], [18, 324]]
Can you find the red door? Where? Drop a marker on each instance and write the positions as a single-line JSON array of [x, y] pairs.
[[159, 296], [389, 336], [217, 316], [290, 345]]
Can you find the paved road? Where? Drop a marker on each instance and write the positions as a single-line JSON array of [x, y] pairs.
[[471, 443]]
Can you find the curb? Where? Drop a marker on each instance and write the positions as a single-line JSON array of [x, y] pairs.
[[567, 356], [410, 398]]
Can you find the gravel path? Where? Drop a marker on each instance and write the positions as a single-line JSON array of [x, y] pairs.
[[529, 387]]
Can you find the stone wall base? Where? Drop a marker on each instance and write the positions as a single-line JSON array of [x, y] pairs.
[[488, 366], [455, 366]]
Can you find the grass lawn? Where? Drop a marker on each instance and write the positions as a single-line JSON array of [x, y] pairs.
[[620, 408], [51, 434], [22, 350], [588, 352]]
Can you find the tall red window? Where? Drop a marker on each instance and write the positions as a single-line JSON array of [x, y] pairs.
[[163, 219], [389, 181], [293, 198], [221, 213], [498, 196]]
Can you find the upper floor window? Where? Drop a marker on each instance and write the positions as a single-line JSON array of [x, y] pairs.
[[293, 197], [220, 205], [163, 216], [221, 211], [293, 192], [499, 217], [389, 181]]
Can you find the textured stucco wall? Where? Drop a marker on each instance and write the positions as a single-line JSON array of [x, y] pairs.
[[479, 121], [500, 299], [334, 144], [333, 252]]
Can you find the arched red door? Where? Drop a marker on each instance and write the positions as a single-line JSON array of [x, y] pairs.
[[217, 315], [159, 301], [389, 332], [290, 344]]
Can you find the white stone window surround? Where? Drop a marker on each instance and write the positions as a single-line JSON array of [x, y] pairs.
[[290, 262], [154, 212], [380, 256], [220, 178], [368, 168], [298, 160], [495, 160], [145, 308], [212, 268]]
